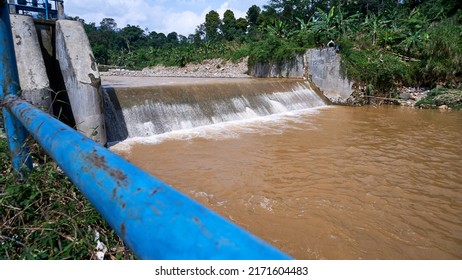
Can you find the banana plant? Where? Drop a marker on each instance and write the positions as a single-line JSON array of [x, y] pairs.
[[324, 23], [414, 33], [279, 29], [373, 25], [346, 26]]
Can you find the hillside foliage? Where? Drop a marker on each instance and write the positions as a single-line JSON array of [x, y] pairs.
[[383, 43]]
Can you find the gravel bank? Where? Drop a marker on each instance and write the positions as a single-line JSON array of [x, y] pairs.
[[213, 68]]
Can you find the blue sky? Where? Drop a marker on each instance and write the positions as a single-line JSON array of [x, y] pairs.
[[181, 16]]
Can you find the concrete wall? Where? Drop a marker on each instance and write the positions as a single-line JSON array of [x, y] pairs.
[[81, 77], [33, 77], [292, 68], [323, 69], [319, 66]]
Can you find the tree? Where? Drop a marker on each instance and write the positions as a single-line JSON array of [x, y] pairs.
[[253, 19], [77, 19], [412, 3], [435, 9], [288, 11], [323, 24], [99, 44], [253, 14], [199, 34], [372, 25], [152, 39], [172, 38], [183, 40], [161, 39], [103, 38], [108, 24], [241, 28], [414, 33], [279, 29], [133, 36], [212, 25], [229, 26]]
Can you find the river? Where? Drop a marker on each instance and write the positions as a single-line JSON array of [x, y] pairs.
[[330, 182]]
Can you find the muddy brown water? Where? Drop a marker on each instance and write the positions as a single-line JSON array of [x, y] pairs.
[[326, 183]]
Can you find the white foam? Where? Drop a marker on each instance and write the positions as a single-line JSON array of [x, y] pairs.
[[267, 125]]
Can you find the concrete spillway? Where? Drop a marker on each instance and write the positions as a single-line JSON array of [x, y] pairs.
[[150, 110]]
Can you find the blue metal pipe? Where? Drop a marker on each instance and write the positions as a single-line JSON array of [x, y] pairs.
[[155, 220], [9, 84], [47, 16]]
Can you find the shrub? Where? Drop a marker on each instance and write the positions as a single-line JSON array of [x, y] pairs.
[[381, 70], [442, 96], [443, 53], [273, 49]]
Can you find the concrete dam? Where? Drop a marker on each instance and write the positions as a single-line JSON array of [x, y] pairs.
[[58, 72], [263, 155], [156, 109]]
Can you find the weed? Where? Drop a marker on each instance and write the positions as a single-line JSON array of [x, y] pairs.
[[46, 217]]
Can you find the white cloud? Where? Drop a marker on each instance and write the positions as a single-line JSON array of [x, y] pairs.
[[185, 26], [155, 17], [181, 16], [226, 6]]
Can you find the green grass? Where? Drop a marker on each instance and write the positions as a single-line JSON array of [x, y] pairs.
[[442, 96], [46, 216]]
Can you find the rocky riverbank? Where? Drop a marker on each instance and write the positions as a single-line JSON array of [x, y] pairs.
[[422, 98], [219, 68], [442, 98], [409, 96], [213, 68], [406, 96]]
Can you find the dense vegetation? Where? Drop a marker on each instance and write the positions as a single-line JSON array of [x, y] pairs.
[[442, 98], [46, 216], [384, 43]]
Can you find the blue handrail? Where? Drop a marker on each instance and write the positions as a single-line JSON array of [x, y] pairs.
[[155, 220], [43, 7]]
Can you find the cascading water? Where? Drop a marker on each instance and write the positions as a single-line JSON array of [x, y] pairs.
[[146, 111]]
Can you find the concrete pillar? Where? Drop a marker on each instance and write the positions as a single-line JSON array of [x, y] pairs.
[[60, 8], [33, 79], [12, 8], [81, 77]]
